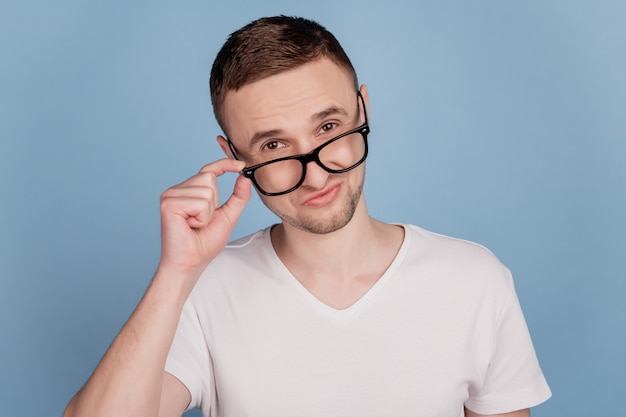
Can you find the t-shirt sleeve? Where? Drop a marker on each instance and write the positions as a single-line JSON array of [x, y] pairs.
[[513, 380], [189, 360]]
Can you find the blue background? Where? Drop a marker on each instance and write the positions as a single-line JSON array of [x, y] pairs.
[[495, 121]]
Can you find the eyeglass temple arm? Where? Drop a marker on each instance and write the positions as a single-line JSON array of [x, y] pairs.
[[232, 149]]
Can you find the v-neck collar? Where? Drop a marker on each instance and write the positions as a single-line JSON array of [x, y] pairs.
[[282, 273]]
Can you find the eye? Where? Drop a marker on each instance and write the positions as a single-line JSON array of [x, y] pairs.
[[327, 127], [272, 145]]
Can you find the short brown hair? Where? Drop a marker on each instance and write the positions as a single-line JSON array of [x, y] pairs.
[[269, 46]]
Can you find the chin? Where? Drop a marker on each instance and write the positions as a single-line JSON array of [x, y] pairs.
[[320, 225]]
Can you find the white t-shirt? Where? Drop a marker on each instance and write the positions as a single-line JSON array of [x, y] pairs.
[[442, 328]]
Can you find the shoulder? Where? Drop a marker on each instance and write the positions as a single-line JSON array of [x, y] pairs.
[[455, 259], [240, 259], [249, 249], [435, 244]]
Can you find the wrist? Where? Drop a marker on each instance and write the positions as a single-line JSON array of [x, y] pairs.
[[173, 285]]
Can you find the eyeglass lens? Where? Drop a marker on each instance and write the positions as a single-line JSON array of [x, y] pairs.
[[336, 156]]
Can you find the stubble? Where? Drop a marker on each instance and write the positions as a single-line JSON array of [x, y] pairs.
[[309, 223]]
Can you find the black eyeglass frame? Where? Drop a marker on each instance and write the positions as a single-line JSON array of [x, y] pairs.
[[312, 156]]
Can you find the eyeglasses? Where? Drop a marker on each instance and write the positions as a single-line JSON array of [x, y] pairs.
[[337, 155]]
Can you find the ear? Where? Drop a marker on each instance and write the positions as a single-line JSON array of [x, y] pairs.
[[363, 91], [223, 142]]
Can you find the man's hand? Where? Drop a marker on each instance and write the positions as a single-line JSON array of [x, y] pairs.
[[130, 379], [194, 228]]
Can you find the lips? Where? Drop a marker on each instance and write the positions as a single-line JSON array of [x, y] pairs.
[[323, 197]]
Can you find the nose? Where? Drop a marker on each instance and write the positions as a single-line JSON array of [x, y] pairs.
[[316, 176]]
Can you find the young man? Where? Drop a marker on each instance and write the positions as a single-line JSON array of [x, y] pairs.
[[330, 312]]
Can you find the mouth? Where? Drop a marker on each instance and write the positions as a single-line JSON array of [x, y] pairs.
[[323, 197]]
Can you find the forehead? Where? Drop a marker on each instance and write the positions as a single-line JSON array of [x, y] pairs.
[[287, 100]]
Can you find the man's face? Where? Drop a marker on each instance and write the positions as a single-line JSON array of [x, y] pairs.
[[290, 114]]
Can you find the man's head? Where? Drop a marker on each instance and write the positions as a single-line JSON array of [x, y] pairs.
[[269, 46], [282, 89]]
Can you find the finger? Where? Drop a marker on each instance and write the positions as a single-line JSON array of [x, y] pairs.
[[203, 182], [196, 212], [233, 207], [199, 212], [207, 176], [193, 191], [222, 166]]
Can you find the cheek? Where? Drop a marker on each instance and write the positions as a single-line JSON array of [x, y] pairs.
[[358, 173], [279, 204]]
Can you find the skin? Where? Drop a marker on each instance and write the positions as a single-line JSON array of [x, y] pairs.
[[326, 218], [284, 104], [130, 379]]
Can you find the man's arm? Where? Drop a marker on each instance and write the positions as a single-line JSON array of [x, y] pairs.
[[130, 379], [174, 398], [518, 413]]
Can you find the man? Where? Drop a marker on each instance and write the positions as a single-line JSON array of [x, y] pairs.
[[330, 312]]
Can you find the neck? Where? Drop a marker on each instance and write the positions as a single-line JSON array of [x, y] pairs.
[[292, 243], [343, 251], [339, 267]]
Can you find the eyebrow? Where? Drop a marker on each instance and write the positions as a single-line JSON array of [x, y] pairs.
[[330, 111], [316, 117], [260, 136]]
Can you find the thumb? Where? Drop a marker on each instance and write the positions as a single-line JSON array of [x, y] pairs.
[[233, 207]]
